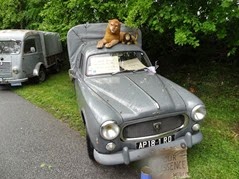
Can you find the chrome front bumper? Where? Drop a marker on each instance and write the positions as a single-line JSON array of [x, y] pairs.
[[13, 82], [128, 155]]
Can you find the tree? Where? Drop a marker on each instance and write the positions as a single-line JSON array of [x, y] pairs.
[[32, 12], [183, 22], [61, 15], [11, 13], [188, 20], [20, 14]]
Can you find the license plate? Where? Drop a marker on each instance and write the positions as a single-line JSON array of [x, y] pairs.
[[151, 143]]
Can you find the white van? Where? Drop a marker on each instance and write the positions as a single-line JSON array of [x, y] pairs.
[[26, 54]]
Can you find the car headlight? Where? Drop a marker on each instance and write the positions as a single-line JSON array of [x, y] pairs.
[[15, 70], [109, 130], [198, 113]]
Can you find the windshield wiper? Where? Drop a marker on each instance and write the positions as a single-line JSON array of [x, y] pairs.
[[122, 71], [140, 69]]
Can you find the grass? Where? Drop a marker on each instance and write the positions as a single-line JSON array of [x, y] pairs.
[[217, 156], [57, 96]]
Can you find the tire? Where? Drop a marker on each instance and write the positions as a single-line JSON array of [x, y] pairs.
[[42, 75], [57, 67], [90, 148]]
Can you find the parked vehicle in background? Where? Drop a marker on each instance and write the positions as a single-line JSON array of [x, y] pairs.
[[129, 110], [26, 54]]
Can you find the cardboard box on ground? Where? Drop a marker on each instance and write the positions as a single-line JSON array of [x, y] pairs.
[[168, 163]]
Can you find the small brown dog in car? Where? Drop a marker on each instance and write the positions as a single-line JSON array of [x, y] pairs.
[[112, 34]]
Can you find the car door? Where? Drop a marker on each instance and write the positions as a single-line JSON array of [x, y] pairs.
[[79, 81], [32, 54]]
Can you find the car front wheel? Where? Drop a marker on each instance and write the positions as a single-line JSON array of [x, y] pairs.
[[41, 75]]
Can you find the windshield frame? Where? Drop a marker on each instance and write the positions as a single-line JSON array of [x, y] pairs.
[[140, 60]]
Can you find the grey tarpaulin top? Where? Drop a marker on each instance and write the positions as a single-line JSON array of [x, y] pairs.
[[89, 32], [52, 42]]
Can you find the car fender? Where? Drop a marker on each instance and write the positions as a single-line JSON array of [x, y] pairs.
[[37, 68], [189, 98]]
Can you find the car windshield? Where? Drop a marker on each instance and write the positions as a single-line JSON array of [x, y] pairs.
[[10, 47], [116, 62]]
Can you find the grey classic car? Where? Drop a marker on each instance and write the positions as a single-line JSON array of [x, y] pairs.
[[129, 110]]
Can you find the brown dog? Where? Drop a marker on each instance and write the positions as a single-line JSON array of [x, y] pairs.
[[112, 34]]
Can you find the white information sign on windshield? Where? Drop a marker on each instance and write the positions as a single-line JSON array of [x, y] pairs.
[[102, 65], [132, 64]]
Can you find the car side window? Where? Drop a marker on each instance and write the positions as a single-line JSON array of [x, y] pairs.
[[81, 61], [30, 46]]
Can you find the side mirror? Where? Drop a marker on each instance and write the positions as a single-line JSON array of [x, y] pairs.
[[156, 64]]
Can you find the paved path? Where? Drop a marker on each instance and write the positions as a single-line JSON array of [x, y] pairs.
[[35, 145]]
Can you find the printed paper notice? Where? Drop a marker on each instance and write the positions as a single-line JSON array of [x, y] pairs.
[[132, 64], [103, 65]]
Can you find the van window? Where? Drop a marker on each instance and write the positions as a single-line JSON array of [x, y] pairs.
[[30, 46]]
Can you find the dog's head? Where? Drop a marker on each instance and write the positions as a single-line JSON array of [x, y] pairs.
[[114, 26]]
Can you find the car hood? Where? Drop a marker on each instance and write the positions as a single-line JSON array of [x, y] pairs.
[[137, 95]]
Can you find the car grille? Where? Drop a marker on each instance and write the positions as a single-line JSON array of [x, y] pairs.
[[152, 128], [5, 70]]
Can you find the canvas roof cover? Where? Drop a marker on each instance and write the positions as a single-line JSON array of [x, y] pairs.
[[52, 42], [89, 32]]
